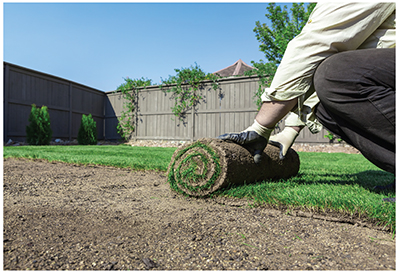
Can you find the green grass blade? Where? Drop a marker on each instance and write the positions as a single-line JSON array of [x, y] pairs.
[[326, 182]]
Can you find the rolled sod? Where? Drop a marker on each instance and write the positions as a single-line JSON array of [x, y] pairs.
[[202, 167]]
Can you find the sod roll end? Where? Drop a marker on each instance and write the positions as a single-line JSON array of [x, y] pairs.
[[202, 167]]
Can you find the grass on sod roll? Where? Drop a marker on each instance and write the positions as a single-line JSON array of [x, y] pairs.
[[326, 181]]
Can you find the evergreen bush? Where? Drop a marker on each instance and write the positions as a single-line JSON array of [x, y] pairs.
[[38, 132], [87, 134]]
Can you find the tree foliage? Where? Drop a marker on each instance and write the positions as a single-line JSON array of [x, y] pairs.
[[274, 39], [284, 27]]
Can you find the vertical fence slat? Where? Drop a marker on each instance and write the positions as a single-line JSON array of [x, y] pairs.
[[24, 87], [231, 108]]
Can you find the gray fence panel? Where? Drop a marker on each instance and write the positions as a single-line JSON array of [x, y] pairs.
[[59, 123], [87, 101], [155, 117], [65, 100], [17, 119], [113, 108], [230, 108]]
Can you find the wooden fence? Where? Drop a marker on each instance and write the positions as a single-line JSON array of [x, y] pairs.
[[66, 102], [231, 108]]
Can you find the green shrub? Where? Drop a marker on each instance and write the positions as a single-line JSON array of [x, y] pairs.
[[332, 137], [87, 134], [38, 132]]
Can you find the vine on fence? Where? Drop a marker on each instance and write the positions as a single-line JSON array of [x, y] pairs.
[[184, 88], [265, 72], [129, 90]]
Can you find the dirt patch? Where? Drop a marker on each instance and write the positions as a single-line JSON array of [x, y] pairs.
[[63, 216]]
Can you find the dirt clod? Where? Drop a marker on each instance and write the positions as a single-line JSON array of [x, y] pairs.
[[68, 217]]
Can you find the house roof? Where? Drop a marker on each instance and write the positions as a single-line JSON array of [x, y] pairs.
[[238, 68]]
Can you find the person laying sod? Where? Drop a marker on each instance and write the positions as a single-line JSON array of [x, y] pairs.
[[338, 73]]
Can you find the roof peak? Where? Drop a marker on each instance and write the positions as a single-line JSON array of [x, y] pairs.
[[238, 68]]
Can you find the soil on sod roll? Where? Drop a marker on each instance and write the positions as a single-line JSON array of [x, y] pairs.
[[201, 168], [61, 216]]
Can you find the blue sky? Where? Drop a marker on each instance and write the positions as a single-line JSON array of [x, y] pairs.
[[98, 44]]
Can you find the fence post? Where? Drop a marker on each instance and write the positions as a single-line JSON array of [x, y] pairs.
[[136, 114], [70, 112], [6, 82], [104, 115]]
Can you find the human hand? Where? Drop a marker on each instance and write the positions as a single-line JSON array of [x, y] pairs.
[[284, 140], [254, 139]]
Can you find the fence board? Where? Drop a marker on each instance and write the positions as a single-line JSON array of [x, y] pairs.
[[24, 87], [231, 108]]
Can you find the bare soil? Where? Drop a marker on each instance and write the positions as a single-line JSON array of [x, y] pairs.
[[61, 216]]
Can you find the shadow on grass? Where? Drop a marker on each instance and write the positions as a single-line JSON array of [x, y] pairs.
[[366, 179], [349, 195]]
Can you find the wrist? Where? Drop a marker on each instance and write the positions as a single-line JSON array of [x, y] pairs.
[[259, 129]]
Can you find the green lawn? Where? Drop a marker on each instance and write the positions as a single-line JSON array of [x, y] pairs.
[[326, 181], [123, 156]]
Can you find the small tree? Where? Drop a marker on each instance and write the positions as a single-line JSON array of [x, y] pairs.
[[87, 134], [38, 132]]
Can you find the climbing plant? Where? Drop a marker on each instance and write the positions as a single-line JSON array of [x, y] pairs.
[[129, 91], [265, 72], [184, 88]]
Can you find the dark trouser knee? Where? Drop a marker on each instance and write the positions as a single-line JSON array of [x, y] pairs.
[[357, 93]]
